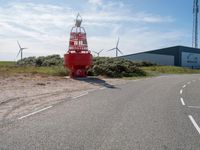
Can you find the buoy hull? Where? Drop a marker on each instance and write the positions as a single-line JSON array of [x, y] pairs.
[[78, 63]]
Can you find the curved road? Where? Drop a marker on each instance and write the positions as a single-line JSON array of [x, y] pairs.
[[161, 113]]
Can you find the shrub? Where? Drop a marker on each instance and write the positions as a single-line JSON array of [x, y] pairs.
[[51, 60], [30, 61], [114, 67]]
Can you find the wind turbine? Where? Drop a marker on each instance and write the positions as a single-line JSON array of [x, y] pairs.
[[116, 49], [20, 50], [98, 53]]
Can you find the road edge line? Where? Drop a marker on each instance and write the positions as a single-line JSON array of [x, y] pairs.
[[33, 113], [194, 123], [182, 101]]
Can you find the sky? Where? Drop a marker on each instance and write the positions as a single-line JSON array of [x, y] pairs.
[[43, 26]]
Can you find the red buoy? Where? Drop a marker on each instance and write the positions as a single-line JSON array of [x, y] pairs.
[[78, 59]]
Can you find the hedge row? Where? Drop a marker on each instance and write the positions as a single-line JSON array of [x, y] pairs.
[[102, 66], [115, 67], [42, 61]]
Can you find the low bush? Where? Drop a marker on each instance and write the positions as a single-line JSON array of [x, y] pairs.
[[51, 60], [102, 66], [115, 68]]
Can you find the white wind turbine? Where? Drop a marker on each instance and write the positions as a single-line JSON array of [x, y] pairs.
[[98, 53], [20, 50], [116, 48]]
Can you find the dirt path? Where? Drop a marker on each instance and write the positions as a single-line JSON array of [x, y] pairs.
[[21, 94]]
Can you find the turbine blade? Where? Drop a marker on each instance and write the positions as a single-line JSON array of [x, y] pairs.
[[120, 51], [18, 44], [101, 51], [94, 52], [18, 52], [117, 42], [111, 49]]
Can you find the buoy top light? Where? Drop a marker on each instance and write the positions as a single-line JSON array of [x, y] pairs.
[[78, 20]]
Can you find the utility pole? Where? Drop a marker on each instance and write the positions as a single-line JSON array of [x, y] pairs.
[[195, 24]]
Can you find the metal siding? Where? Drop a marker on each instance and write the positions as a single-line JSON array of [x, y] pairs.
[[175, 52], [154, 58], [189, 50], [191, 60], [172, 51]]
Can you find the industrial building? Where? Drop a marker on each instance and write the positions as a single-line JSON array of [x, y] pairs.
[[172, 56]]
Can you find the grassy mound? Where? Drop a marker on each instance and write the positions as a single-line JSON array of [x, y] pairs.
[[156, 70], [10, 68], [115, 68], [102, 66], [42, 61]]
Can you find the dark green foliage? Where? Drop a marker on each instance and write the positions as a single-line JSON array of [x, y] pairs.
[[115, 67], [30, 61], [144, 64], [40, 61], [51, 60], [104, 66]]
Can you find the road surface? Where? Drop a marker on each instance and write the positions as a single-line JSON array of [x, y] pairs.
[[161, 113]]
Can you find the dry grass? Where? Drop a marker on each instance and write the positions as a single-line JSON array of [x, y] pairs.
[[10, 68]]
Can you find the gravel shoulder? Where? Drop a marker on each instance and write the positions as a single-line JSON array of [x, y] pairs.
[[24, 93]]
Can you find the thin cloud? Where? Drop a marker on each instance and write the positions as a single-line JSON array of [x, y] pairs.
[[95, 2], [45, 28]]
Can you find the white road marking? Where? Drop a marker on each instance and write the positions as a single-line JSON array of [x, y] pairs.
[[80, 95], [193, 80], [33, 113], [91, 90], [188, 82], [102, 88], [194, 123], [162, 76], [182, 101], [181, 91], [184, 86], [198, 107]]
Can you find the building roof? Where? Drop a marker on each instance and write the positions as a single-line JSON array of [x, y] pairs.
[[172, 48]]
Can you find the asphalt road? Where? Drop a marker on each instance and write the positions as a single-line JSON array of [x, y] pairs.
[[161, 113]]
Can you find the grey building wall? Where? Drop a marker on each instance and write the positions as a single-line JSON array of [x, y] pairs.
[[176, 56], [170, 51], [154, 58], [191, 60]]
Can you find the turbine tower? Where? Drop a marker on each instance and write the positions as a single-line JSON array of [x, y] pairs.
[[20, 50], [195, 24], [116, 49]]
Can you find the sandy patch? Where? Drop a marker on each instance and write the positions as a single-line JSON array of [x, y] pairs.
[[22, 94]]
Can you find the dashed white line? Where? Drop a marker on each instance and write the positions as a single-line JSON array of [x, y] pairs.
[[33, 113], [188, 82], [194, 123], [193, 80], [182, 101], [91, 90], [198, 107], [181, 91], [80, 95], [162, 76], [184, 86], [102, 88]]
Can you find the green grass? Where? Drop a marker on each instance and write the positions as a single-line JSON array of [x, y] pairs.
[[157, 70], [153, 71], [10, 68], [7, 63]]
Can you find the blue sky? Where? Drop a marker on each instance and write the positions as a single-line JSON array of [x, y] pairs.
[[44, 25]]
